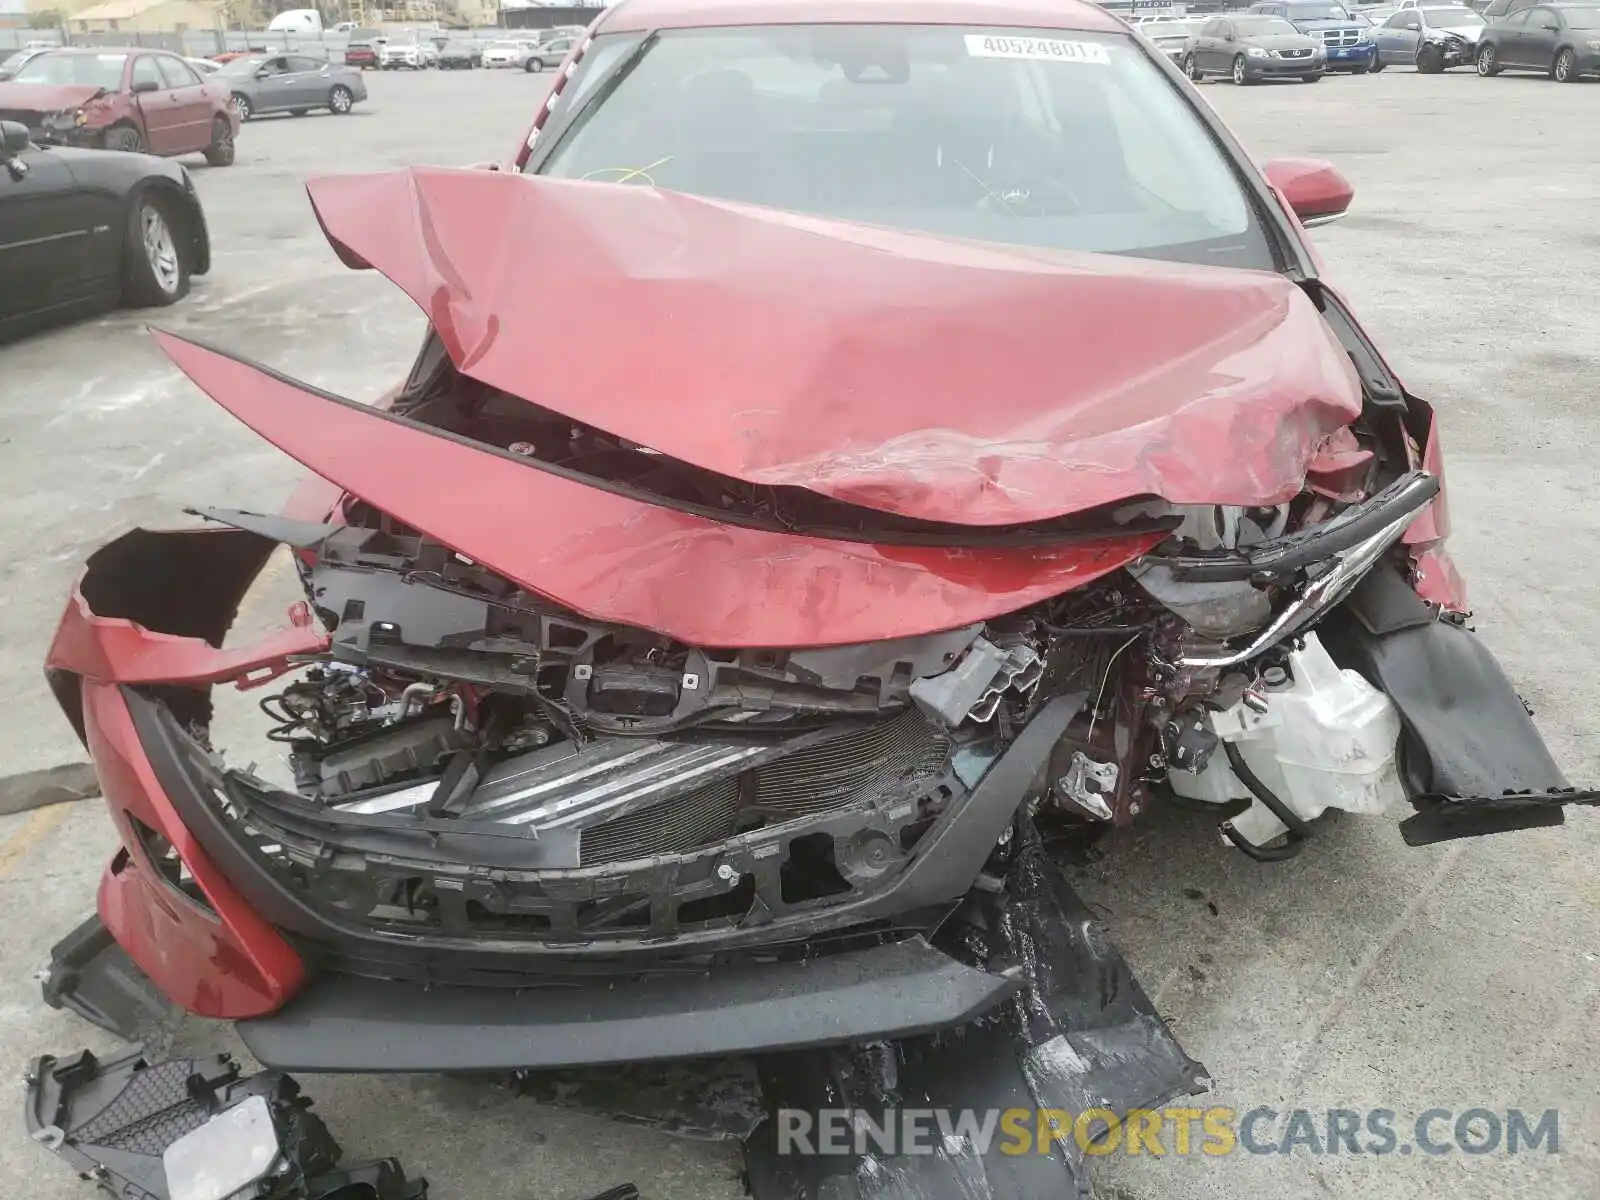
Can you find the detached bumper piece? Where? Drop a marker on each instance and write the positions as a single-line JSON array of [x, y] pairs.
[[195, 1129]]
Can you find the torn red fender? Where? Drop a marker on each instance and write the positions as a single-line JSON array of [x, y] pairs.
[[618, 559], [956, 381]]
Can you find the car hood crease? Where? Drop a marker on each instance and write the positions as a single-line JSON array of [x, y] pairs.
[[620, 559], [949, 380]]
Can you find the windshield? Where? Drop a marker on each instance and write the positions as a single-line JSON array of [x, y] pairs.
[[1452, 16], [1172, 30], [504, 46], [91, 70], [1319, 12], [1072, 141], [1263, 27]]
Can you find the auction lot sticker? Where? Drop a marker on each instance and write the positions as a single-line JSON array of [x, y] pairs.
[[987, 45]]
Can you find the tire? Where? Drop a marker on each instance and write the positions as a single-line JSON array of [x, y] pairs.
[[154, 270], [534, 66], [1360, 70], [340, 100], [1377, 64], [1486, 62], [1311, 79], [1565, 68], [242, 106], [298, 112], [221, 151], [1430, 61], [1240, 77], [126, 138], [1192, 68]]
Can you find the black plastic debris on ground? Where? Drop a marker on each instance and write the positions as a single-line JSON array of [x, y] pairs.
[[195, 1129]]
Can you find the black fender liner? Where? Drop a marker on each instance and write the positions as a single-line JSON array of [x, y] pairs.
[[1474, 762]]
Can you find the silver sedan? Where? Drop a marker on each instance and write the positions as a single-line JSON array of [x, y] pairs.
[[295, 83]]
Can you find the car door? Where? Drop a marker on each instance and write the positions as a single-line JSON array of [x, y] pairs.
[[1399, 37], [191, 107], [47, 231], [1205, 45], [555, 52], [307, 83], [1537, 38], [1510, 37], [273, 86], [153, 99]]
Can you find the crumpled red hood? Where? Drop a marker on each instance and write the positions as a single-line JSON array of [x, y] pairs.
[[46, 97], [947, 380]]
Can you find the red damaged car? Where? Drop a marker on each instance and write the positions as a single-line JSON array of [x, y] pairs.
[[145, 101], [954, 449]]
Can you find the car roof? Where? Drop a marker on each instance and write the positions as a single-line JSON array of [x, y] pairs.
[[641, 15]]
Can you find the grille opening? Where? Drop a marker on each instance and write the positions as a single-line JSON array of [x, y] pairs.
[[480, 916], [810, 872], [615, 912], [729, 905], [168, 864]]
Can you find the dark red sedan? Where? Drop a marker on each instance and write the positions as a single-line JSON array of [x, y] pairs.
[[144, 101]]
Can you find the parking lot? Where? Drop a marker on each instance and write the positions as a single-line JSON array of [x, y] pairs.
[[1362, 975]]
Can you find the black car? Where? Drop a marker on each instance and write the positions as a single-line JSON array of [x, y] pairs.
[[84, 230], [1250, 47], [460, 55], [1562, 40]]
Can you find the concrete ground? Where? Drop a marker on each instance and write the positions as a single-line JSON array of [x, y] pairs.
[[1362, 975]]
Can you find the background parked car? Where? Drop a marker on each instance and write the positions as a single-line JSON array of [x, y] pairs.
[[363, 48], [550, 54], [460, 54], [1250, 47], [82, 230], [1433, 37], [507, 52], [414, 55], [1562, 40], [1347, 42], [203, 66], [96, 98], [294, 83], [1171, 36]]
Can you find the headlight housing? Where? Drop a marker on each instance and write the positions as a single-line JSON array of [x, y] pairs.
[[1255, 52]]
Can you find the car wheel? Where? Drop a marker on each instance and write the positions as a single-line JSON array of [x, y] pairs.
[[154, 272], [535, 65], [242, 106], [340, 100], [1565, 69], [1430, 61], [1361, 70], [298, 112], [1377, 64], [1486, 63], [1239, 75], [1192, 69], [126, 138], [1310, 78], [220, 152]]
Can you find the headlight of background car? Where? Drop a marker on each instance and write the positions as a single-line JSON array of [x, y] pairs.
[[61, 122], [1256, 52]]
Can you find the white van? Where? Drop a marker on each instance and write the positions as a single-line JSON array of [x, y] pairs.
[[296, 20]]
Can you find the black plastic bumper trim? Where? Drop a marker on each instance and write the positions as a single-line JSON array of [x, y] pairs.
[[342, 1023]]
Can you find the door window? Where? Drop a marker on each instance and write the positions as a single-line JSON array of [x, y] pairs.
[[299, 63], [144, 71], [177, 73]]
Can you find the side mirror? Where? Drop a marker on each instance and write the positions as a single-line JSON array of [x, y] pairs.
[[1316, 191], [1553, 28], [145, 85]]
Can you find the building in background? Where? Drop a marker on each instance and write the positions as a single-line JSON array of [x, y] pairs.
[[144, 16]]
